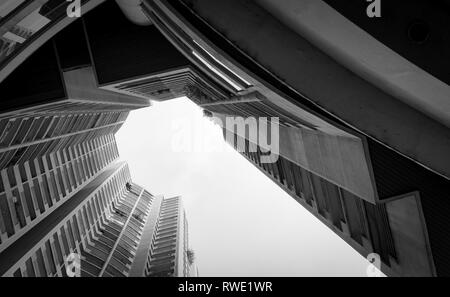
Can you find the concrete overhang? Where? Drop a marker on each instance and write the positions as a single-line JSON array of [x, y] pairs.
[[361, 98], [361, 53]]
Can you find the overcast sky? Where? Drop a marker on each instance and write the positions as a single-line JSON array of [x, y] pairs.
[[240, 222]]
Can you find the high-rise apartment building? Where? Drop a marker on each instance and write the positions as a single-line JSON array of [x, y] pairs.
[[164, 249], [114, 228], [63, 190], [169, 254], [56, 134], [33, 189], [393, 230]]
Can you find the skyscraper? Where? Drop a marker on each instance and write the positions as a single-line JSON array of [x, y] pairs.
[[165, 249], [114, 228], [64, 194], [170, 254], [56, 135]]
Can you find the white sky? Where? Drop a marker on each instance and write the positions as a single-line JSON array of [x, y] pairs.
[[240, 222]]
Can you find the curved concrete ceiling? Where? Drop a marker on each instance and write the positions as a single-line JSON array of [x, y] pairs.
[[359, 52]]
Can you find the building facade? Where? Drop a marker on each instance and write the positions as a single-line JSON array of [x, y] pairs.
[[102, 231], [170, 254], [165, 250], [64, 194]]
